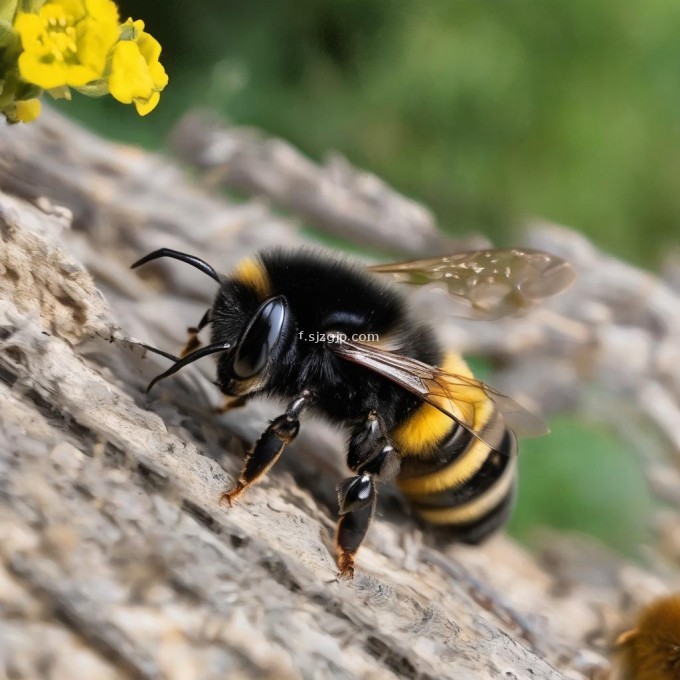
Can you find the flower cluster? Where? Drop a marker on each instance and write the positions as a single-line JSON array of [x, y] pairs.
[[55, 45]]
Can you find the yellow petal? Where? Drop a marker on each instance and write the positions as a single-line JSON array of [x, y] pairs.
[[147, 106], [29, 27], [75, 9], [129, 77], [34, 71], [94, 42], [138, 25], [149, 47], [55, 74], [27, 110], [158, 75], [104, 11], [78, 75]]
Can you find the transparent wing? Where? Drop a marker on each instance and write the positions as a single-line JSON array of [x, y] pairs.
[[493, 283], [458, 396]]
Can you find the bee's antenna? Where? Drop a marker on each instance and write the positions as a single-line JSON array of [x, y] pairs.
[[190, 358], [155, 350], [183, 257]]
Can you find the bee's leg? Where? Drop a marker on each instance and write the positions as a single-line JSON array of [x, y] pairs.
[[193, 342], [356, 497], [370, 449], [370, 454], [267, 449], [229, 403]]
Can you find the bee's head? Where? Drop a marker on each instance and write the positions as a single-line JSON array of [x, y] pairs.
[[260, 341], [250, 335]]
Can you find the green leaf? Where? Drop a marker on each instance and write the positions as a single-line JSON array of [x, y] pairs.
[[10, 113], [31, 5], [97, 88], [7, 10], [7, 34], [62, 92], [8, 90], [27, 90]]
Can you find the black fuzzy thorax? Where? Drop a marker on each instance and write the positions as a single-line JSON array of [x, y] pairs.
[[327, 294]]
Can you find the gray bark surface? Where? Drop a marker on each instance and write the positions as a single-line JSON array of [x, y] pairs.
[[116, 559]]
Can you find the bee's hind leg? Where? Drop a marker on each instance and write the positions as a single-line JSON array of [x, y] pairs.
[[356, 497], [193, 343], [269, 447], [370, 454]]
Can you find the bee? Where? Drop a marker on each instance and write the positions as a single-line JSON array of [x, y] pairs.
[[651, 650], [330, 337]]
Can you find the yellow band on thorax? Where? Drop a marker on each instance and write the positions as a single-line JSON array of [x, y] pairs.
[[251, 273]]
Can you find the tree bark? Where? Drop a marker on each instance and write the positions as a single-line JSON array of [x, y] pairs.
[[116, 559]]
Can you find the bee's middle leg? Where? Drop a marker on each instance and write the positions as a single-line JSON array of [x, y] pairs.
[[370, 454]]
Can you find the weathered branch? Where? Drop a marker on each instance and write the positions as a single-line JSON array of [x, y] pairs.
[[114, 554], [335, 197]]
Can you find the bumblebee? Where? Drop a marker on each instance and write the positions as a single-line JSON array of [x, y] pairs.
[[331, 338], [651, 650]]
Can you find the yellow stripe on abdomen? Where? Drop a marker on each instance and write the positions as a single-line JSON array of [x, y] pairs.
[[425, 428], [477, 507], [460, 471], [422, 432]]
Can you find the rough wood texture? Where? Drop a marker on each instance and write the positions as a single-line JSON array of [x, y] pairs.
[[115, 559]]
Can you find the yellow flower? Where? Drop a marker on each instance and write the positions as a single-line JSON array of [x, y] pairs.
[[27, 110], [136, 74], [67, 42], [22, 110]]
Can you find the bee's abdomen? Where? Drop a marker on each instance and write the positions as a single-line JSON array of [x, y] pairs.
[[458, 481], [476, 506]]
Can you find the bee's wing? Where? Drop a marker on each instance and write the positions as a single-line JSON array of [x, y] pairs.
[[494, 282], [458, 396]]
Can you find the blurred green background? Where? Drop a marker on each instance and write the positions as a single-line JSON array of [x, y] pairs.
[[488, 111]]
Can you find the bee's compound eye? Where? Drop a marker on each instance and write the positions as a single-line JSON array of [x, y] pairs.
[[260, 338]]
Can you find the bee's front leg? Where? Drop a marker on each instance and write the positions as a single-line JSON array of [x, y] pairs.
[[193, 343], [229, 404], [269, 447], [370, 454]]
